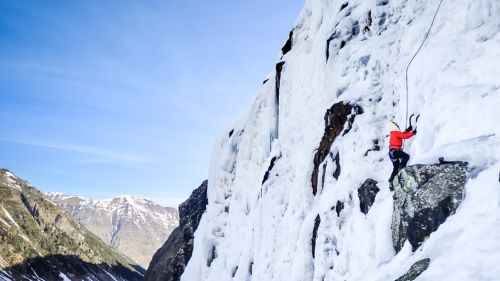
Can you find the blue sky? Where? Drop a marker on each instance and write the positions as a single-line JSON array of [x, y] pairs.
[[103, 98]]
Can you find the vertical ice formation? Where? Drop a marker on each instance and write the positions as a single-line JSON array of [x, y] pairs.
[[355, 52]]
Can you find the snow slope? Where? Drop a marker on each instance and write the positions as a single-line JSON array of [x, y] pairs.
[[255, 231]]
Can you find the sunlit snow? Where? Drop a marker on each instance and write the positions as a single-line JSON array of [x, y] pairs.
[[263, 232]]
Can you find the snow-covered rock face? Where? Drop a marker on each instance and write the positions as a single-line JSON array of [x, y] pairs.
[[356, 52]]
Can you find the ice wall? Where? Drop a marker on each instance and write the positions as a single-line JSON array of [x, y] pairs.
[[355, 52]]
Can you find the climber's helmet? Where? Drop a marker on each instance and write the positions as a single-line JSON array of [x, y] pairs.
[[393, 126]]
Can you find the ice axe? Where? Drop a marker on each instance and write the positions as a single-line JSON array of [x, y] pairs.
[[416, 120]]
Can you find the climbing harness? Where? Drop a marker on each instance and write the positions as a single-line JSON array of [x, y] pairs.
[[416, 53]]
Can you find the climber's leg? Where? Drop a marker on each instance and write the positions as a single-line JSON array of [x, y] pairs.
[[404, 158], [395, 164]]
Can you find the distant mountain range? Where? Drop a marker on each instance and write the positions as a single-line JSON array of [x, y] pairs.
[[40, 241], [136, 227]]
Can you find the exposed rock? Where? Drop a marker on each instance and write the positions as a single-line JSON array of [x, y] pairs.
[[323, 176], [335, 119], [234, 271], [279, 69], [356, 110], [344, 6], [367, 193], [288, 45], [271, 166], [336, 173], [368, 22], [191, 210], [415, 270], [339, 207], [40, 241], [375, 147], [170, 260], [317, 222], [424, 196]]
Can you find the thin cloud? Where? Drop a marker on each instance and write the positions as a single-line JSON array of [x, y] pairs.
[[104, 155]]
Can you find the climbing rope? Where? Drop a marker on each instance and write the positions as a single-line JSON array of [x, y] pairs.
[[416, 53]]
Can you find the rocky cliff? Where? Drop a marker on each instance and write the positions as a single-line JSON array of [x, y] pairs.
[[424, 196], [40, 241], [170, 260], [135, 227]]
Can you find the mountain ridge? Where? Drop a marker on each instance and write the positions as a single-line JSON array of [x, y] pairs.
[[137, 227], [40, 241]]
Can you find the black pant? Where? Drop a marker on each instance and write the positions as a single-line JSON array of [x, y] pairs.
[[399, 159]]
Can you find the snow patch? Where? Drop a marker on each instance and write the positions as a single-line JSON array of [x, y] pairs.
[[12, 180], [7, 214], [64, 276], [25, 238], [110, 275]]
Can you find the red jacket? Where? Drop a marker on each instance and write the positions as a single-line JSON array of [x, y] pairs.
[[396, 140]]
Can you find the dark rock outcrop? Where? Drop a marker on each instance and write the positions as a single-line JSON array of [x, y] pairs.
[[336, 173], [268, 172], [277, 85], [344, 6], [367, 193], [424, 196], [279, 70], [375, 147], [170, 260], [415, 270], [339, 207], [288, 45], [335, 119], [317, 222], [369, 21]]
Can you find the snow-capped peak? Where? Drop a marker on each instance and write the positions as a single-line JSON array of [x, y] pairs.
[[62, 196], [123, 221]]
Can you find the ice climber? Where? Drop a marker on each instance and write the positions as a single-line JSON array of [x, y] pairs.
[[398, 157]]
